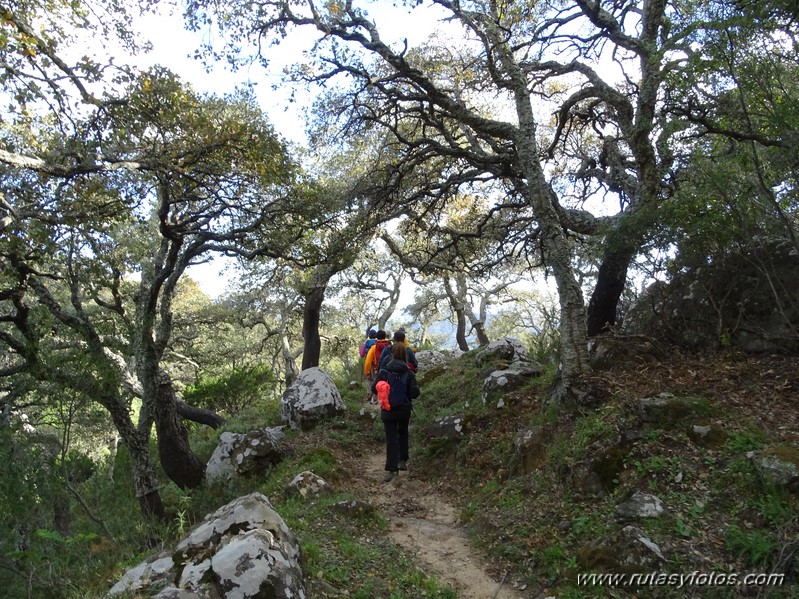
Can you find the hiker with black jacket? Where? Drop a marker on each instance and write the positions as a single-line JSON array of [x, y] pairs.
[[396, 387], [399, 336]]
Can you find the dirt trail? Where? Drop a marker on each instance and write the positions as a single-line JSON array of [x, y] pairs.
[[425, 524]]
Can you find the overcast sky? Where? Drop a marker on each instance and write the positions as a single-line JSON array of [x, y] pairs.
[[173, 46]]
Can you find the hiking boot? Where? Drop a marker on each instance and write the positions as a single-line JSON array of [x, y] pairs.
[[389, 476], [402, 465]]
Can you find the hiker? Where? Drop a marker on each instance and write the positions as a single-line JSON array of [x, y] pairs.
[[396, 387], [370, 364], [370, 341], [399, 337]]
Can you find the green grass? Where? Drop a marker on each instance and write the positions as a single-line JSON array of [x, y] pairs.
[[531, 525]]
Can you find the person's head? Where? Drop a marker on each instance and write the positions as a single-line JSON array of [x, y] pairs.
[[398, 351], [372, 334], [399, 335], [381, 334]]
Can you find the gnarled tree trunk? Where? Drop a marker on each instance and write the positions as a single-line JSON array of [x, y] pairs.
[[610, 283], [137, 440], [177, 459], [310, 327]]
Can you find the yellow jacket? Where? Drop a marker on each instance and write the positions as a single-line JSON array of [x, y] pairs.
[[373, 357]]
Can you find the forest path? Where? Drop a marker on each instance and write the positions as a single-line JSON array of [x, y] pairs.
[[427, 525]]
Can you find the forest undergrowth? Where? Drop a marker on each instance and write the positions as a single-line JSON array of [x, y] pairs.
[[530, 530]]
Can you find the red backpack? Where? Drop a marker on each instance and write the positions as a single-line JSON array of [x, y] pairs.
[[379, 347], [383, 393]]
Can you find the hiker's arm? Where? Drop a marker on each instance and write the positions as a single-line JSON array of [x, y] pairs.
[[378, 378], [413, 387]]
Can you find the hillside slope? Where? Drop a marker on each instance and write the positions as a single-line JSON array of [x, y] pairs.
[[544, 513]]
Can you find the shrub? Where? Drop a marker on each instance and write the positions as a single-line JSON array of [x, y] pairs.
[[233, 391]]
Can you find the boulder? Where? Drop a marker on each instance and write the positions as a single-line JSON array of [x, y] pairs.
[[368, 414], [529, 450], [431, 374], [244, 454], [308, 485], [448, 427], [706, 435], [243, 550], [428, 358], [628, 550], [605, 352], [453, 354], [779, 465], [310, 398], [743, 298], [508, 349], [664, 410], [511, 378], [584, 480], [154, 571], [640, 505]]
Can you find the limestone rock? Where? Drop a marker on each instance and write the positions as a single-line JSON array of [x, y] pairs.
[[664, 410], [726, 301], [448, 427], [154, 570], [706, 435], [308, 485], [512, 378], [243, 550], [585, 480], [640, 505], [244, 454], [428, 358], [310, 398], [780, 465], [529, 450], [507, 348], [605, 352], [627, 550]]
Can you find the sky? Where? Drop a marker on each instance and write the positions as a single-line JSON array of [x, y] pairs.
[[173, 46]]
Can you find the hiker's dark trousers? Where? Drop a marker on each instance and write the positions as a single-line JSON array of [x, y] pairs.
[[395, 424]]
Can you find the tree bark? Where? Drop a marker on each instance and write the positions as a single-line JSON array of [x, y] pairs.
[[145, 482], [144, 479], [289, 360], [610, 284], [62, 513], [459, 310], [556, 248], [557, 251], [201, 415], [460, 331], [310, 327], [177, 459], [480, 331]]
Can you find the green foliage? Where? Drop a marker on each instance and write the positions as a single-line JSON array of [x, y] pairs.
[[777, 506], [25, 480], [755, 547], [743, 441], [233, 391]]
